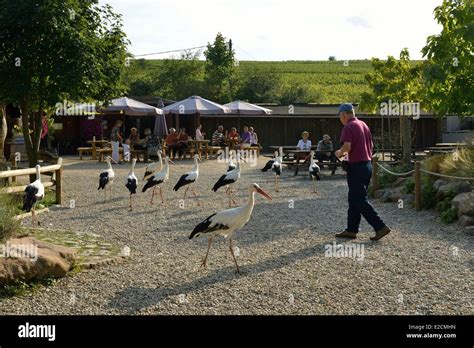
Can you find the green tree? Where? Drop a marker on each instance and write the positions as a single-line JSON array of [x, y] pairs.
[[220, 69], [180, 78], [257, 85], [449, 72], [52, 51], [395, 81]]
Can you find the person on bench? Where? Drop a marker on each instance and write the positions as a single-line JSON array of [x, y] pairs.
[[152, 144], [325, 145], [304, 143]]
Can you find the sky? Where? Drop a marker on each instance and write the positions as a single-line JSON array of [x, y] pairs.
[[281, 29]]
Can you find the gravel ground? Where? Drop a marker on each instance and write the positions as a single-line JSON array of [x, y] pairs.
[[422, 267]]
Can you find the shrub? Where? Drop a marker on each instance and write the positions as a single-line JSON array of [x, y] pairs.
[[460, 163], [428, 196], [449, 216], [445, 203], [409, 186], [8, 224]]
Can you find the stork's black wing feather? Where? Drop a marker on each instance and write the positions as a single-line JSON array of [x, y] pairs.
[[131, 185], [104, 179], [205, 227], [182, 182], [268, 165], [276, 170], [230, 168], [30, 197], [222, 182], [151, 183]]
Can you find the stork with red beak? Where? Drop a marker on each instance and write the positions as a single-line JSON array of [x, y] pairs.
[[226, 222]]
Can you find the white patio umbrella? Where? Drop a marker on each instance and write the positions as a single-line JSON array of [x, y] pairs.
[[195, 105], [243, 108], [131, 107]]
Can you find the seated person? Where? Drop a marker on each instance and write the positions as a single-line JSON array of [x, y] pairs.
[[233, 134], [218, 138], [325, 145], [182, 142], [172, 142], [245, 138], [304, 144], [134, 139], [253, 137], [151, 143]]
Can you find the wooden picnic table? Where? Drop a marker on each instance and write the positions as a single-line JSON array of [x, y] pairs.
[[94, 144], [198, 145], [291, 153]]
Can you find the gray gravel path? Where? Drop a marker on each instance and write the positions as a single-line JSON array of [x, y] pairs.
[[422, 267]]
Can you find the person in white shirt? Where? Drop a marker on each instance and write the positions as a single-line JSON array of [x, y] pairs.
[[304, 144], [199, 135]]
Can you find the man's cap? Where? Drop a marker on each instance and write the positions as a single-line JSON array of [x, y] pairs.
[[326, 136], [346, 107]]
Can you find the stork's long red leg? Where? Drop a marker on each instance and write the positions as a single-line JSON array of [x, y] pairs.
[[152, 195], [161, 195], [204, 262], [195, 196], [185, 191], [231, 248], [130, 205]]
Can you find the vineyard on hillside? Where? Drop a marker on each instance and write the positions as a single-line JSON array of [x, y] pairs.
[[328, 81]]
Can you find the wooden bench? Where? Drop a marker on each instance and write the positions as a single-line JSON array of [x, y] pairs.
[[83, 150], [254, 148], [211, 150], [137, 153], [107, 152]]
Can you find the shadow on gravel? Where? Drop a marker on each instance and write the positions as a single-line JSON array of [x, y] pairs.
[[132, 299]]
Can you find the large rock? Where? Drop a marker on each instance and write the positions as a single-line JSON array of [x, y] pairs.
[[399, 181], [455, 186], [438, 183], [379, 193], [465, 220], [464, 203], [469, 230], [28, 258]]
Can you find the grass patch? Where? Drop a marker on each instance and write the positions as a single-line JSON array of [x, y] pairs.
[[22, 287]]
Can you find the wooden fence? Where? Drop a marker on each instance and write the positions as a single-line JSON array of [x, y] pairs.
[[55, 171]]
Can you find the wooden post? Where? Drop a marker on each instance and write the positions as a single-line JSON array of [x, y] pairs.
[[59, 182], [375, 175], [417, 186]]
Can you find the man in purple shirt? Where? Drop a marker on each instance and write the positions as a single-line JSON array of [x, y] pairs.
[[356, 141]]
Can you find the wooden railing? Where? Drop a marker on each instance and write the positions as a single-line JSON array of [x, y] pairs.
[[55, 171]]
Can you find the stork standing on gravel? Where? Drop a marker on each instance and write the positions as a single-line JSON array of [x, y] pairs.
[[314, 171], [276, 168], [189, 179], [106, 178], [226, 222], [131, 182], [153, 167], [228, 179], [157, 179], [34, 193]]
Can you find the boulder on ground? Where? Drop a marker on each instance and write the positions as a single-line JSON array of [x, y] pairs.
[[464, 203], [469, 230], [438, 183], [454, 186], [465, 220], [28, 258]]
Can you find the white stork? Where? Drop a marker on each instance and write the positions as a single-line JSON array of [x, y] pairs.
[[34, 193], [314, 171], [276, 168], [107, 178], [158, 178], [153, 167], [226, 222], [228, 179], [188, 179], [131, 182]]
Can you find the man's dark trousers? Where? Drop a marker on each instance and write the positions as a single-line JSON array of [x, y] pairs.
[[358, 178]]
